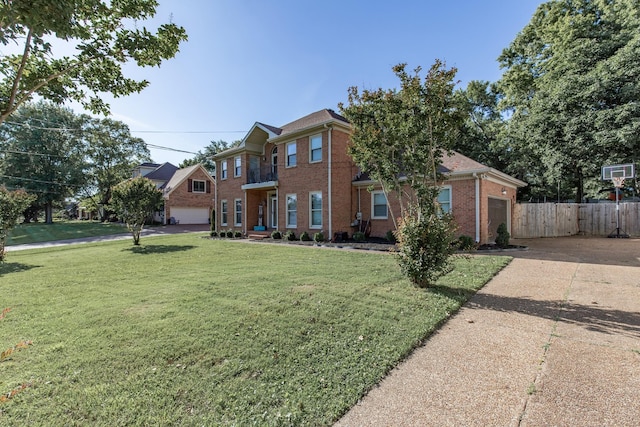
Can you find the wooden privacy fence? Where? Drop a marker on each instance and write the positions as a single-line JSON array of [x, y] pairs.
[[567, 219]]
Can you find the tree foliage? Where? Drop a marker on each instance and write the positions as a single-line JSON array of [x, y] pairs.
[[103, 36], [12, 204], [135, 200], [44, 154], [205, 157], [571, 87], [111, 155], [399, 138]]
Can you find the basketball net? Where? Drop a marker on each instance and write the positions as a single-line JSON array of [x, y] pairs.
[[618, 181]]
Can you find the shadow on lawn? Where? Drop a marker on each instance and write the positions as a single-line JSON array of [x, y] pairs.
[[158, 249], [15, 267]]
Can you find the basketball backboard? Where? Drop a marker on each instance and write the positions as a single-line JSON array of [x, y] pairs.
[[618, 171]]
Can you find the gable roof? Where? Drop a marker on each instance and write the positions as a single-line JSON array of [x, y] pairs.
[[455, 165], [163, 172], [181, 175]]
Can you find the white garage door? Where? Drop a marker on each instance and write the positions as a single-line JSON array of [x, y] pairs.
[[190, 215]]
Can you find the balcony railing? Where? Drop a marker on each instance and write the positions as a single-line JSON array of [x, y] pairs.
[[265, 174]]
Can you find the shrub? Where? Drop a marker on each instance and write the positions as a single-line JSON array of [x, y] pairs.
[[290, 235], [502, 238], [304, 237], [359, 236], [222, 234], [230, 233], [276, 235], [318, 237], [213, 234], [466, 243], [237, 234], [390, 236], [425, 244]]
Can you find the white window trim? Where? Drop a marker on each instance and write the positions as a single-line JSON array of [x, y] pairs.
[[287, 210], [236, 160], [193, 186], [286, 154], [447, 187], [373, 205], [223, 203], [311, 225], [224, 170], [235, 212], [311, 150]]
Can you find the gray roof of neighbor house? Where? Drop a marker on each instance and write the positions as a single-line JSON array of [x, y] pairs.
[[164, 172]]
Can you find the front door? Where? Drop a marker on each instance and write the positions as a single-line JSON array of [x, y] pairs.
[[273, 210]]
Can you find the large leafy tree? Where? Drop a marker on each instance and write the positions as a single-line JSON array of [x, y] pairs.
[[571, 88], [103, 37], [399, 138], [205, 157], [111, 155], [12, 204], [43, 152], [135, 200]]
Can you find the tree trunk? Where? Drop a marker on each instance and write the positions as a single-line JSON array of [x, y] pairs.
[[48, 213]]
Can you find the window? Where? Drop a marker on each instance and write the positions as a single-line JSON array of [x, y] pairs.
[[223, 171], [274, 164], [378, 205], [199, 186], [315, 148], [223, 212], [237, 166], [444, 198], [238, 212], [315, 207], [292, 211], [291, 154]]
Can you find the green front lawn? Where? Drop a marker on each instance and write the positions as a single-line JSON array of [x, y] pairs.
[[61, 230], [192, 331]]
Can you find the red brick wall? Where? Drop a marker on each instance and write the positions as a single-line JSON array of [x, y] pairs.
[[181, 197]]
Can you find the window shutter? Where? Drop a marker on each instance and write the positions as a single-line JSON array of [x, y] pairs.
[[208, 184], [190, 185]]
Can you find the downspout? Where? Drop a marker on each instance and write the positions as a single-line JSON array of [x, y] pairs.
[[475, 175], [215, 201], [329, 205]]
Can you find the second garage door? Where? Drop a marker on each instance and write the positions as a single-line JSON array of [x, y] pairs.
[[190, 215]]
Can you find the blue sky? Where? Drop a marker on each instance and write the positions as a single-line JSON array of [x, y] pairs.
[[276, 61]]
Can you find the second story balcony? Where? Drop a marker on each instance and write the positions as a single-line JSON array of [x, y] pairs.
[[263, 177]]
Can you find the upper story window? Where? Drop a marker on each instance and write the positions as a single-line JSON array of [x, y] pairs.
[[315, 148], [223, 169], [291, 154], [444, 199], [274, 164], [199, 186], [378, 205], [237, 166]]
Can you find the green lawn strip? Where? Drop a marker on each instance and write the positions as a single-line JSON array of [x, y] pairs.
[[191, 331], [61, 230]]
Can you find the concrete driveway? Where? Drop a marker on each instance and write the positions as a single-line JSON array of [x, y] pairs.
[[552, 340]]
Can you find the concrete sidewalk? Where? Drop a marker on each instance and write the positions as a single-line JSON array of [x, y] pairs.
[[553, 340]]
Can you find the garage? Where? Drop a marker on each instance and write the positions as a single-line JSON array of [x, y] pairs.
[[190, 215]]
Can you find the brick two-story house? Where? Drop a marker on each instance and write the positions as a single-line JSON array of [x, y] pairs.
[[299, 177]]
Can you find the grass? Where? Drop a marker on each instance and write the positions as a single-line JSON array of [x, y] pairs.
[[61, 230], [185, 330]]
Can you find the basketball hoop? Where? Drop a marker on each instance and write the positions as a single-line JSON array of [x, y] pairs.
[[618, 181]]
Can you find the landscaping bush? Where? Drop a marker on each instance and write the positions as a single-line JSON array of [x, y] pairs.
[[390, 236], [230, 233], [276, 235], [304, 237], [237, 234], [502, 239], [359, 236], [213, 234], [425, 244], [290, 235], [466, 243], [318, 237]]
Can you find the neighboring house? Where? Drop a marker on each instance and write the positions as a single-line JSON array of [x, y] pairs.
[[299, 177], [188, 192]]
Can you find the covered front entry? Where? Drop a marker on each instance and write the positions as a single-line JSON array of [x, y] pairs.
[[498, 214]]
